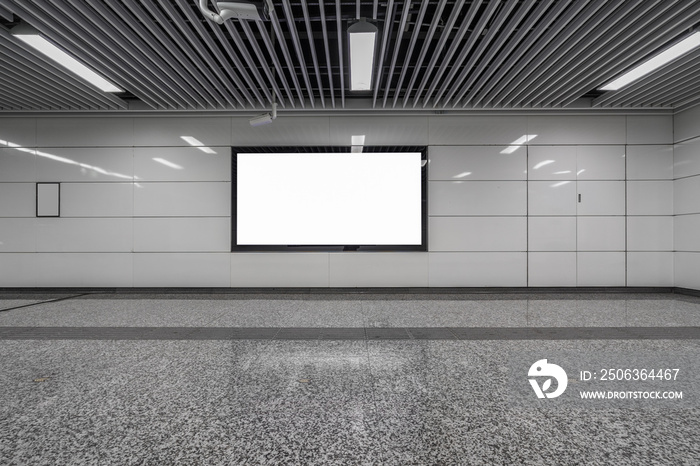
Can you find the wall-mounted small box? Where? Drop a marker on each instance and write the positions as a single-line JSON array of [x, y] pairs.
[[48, 199]]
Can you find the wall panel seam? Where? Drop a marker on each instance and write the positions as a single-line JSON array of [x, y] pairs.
[[686, 177]]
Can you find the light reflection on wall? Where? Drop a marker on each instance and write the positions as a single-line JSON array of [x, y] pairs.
[[65, 160]]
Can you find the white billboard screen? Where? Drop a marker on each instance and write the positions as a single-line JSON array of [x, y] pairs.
[[328, 199]]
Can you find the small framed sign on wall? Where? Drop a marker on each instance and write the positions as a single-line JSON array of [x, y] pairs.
[[48, 199]]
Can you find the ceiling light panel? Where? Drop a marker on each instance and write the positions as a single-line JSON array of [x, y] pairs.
[[363, 39], [681, 48], [32, 38]]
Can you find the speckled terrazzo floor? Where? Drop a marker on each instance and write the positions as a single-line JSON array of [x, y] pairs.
[[352, 310], [344, 402]]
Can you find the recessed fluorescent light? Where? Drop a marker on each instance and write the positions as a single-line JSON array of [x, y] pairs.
[[198, 144], [167, 163], [517, 144], [681, 48], [363, 37], [31, 37], [462, 175]]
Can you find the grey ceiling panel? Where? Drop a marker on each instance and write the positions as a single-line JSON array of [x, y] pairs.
[[389, 13], [411, 48], [329, 68], [395, 56], [5, 13], [48, 78], [500, 35], [666, 23], [284, 47], [312, 47], [675, 73], [431, 55], [527, 50], [572, 65], [339, 30], [577, 49], [291, 27], [455, 43], [417, 66]]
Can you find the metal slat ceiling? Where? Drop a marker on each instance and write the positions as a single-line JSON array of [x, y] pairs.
[[438, 55]]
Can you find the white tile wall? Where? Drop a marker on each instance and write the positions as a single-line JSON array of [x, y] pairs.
[[650, 233], [552, 269], [89, 164], [650, 197], [84, 269], [686, 195], [685, 124], [395, 131], [182, 234], [97, 199], [480, 198], [477, 234], [16, 165], [686, 198], [551, 163], [551, 197], [18, 130], [168, 131], [85, 132], [686, 233], [577, 129], [686, 158], [469, 130], [17, 235], [181, 164], [84, 235], [649, 129], [686, 266], [205, 199], [649, 269], [601, 198], [182, 224], [552, 234], [280, 269], [18, 270], [285, 131], [378, 269], [17, 200], [650, 162], [600, 162], [448, 269], [600, 268], [470, 163], [182, 269], [600, 233]]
